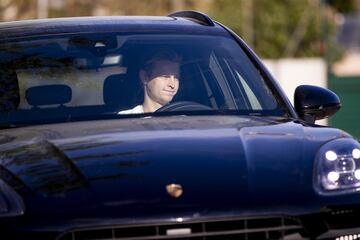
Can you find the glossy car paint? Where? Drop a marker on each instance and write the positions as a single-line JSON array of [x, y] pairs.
[[114, 171]]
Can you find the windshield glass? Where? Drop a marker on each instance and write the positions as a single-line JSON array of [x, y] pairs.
[[63, 78]]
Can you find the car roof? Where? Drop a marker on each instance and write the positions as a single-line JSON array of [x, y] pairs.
[[131, 24]]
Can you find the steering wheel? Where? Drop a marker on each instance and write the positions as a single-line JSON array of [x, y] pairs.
[[183, 106]]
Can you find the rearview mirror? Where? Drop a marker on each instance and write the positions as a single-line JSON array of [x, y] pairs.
[[315, 103]]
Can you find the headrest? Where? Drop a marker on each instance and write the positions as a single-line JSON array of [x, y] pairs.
[[48, 95], [114, 86], [122, 92]]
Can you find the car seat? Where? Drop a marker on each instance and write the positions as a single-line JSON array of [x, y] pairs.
[[120, 92]]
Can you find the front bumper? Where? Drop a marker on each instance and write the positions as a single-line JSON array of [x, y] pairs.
[[331, 223]]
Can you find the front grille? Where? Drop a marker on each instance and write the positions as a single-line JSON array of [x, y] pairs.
[[249, 229]]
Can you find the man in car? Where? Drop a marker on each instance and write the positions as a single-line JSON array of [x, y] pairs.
[[159, 77]]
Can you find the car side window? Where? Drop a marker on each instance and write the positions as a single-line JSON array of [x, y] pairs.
[[249, 85], [222, 81], [254, 102]]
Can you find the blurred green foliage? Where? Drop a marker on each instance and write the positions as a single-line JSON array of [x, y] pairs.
[[124, 7], [274, 28], [292, 28]]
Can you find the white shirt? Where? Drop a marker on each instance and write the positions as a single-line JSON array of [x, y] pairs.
[[135, 110]]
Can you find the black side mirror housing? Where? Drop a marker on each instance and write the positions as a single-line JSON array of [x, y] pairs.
[[315, 103]]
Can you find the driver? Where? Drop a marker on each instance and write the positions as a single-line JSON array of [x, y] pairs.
[[160, 79]]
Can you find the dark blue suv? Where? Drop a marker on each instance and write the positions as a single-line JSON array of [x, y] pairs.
[[163, 128]]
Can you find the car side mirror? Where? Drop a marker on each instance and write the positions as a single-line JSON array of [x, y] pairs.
[[315, 103]]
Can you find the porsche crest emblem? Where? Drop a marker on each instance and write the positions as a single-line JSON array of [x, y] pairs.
[[174, 190]]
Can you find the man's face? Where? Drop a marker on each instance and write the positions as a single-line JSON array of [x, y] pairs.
[[163, 81]]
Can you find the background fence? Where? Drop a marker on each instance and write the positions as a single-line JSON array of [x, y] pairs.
[[348, 89]]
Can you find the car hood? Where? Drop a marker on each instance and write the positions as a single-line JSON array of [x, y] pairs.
[[121, 168]]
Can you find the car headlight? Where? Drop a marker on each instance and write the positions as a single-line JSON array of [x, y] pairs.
[[11, 203], [337, 168]]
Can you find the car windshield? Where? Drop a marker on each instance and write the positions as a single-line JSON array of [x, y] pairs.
[[84, 76]]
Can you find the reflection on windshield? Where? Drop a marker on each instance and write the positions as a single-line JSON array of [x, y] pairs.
[[49, 170], [86, 76]]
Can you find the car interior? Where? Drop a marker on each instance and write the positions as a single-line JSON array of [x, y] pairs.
[[88, 77]]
